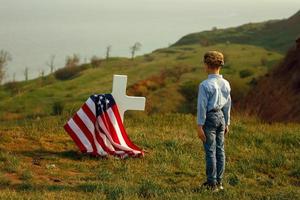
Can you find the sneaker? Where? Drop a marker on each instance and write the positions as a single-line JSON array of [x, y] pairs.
[[210, 187], [220, 186]]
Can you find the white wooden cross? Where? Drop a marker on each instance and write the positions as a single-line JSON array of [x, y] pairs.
[[123, 101]]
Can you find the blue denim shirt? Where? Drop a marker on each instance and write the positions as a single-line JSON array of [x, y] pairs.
[[214, 93]]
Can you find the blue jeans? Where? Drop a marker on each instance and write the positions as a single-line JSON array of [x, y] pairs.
[[214, 129]]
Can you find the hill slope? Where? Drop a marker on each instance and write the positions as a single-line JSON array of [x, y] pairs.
[[275, 34], [276, 96], [158, 76]]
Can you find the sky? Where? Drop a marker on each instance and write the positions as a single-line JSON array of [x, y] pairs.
[[33, 30]]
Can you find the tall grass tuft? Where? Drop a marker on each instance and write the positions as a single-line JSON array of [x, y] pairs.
[[114, 193], [148, 189], [57, 108]]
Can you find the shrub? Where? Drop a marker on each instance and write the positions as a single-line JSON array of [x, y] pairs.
[[190, 91], [13, 87], [142, 87], [253, 82], [26, 186], [175, 72], [57, 108], [72, 61], [148, 58], [67, 73], [246, 73], [95, 61]]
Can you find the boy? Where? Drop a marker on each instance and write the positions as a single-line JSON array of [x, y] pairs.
[[213, 118]]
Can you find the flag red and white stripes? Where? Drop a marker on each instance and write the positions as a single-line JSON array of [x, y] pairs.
[[97, 129]]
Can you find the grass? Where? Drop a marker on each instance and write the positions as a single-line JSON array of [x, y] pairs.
[[39, 160], [46, 96]]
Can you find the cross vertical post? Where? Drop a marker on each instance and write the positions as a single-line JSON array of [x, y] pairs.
[[123, 101]]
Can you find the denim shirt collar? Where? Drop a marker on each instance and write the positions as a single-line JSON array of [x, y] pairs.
[[215, 76]]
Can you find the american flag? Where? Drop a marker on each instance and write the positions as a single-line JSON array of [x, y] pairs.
[[97, 129]]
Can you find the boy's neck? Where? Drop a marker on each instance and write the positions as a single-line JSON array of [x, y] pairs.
[[214, 71]]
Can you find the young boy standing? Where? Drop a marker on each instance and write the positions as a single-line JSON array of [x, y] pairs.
[[213, 118]]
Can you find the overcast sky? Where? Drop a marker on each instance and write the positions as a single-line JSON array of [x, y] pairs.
[[32, 30]]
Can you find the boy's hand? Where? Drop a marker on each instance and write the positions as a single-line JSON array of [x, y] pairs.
[[201, 134], [226, 130]]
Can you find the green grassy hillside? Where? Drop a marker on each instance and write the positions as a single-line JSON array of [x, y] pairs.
[[38, 160], [159, 76], [275, 34]]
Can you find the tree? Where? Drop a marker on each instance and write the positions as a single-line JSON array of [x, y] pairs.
[[136, 47], [5, 57], [50, 63], [95, 61], [72, 61], [14, 77], [108, 50], [26, 73], [42, 73]]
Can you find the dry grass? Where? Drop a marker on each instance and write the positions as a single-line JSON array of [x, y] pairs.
[[38, 160]]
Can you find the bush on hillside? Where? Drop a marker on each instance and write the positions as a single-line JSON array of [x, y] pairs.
[[95, 61], [148, 58], [143, 87], [72, 61], [253, 82], [67, 73], [175, 72], [190, 92], [13, 87], [246, 73], [58, 108]]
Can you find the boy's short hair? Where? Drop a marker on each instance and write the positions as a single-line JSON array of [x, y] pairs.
[[214, 59]]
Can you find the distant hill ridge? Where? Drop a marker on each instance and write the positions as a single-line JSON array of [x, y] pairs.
[[276, 35]]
